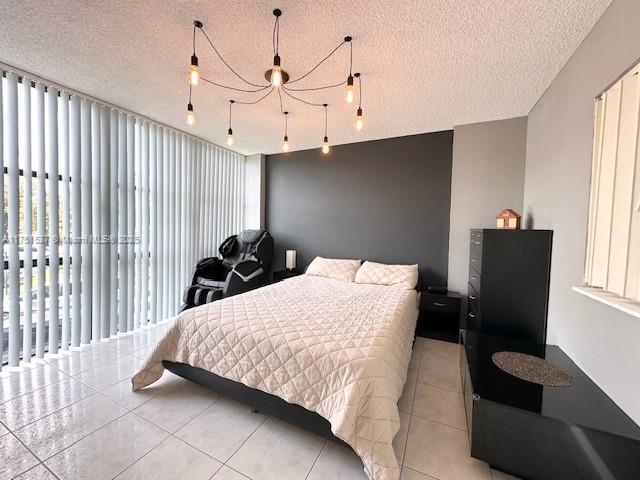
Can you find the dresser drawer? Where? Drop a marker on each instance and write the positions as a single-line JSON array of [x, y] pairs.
[[473, 303], [439, 303], [475, 240], [473, 320], [475, 259], [475, 279]]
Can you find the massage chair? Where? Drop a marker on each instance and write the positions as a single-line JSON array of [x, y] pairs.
[[244, 264]]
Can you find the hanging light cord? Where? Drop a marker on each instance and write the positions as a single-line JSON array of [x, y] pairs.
[[276, 36], [319, 63], [256, 101], [231, 102], [194, 39], [311, 89], [359, 90], [350, 58], [227, 64], [286, 124], [234, 88], [190, 93], [286, 92]]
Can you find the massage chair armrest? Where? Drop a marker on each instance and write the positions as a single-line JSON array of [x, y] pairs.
[[246, 275], [211, 268]]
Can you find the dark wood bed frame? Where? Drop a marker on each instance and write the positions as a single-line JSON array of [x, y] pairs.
[[257, 400]]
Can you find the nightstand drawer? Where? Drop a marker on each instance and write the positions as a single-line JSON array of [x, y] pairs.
[[436, 303]]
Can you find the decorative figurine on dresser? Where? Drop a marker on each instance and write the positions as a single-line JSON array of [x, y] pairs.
[[509, 282]]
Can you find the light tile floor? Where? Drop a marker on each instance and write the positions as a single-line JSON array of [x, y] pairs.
[[74, 416]]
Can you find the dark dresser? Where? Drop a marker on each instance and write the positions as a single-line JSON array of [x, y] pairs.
[[509, 283]]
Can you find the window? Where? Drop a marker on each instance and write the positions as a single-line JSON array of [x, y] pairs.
[[104, 216], [613, 243]]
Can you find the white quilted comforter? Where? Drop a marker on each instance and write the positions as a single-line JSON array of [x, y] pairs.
[[337, 348]]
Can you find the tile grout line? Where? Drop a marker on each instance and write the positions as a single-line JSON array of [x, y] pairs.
[[26, 447], [97, 429], [438, 422], [55, 411], [95, 391], [169, 434], [85, 436], [243, 443], [67, 376], [233, 469], [419, 472], [38, 388], [145, 454], [317, 457], [406, 442]]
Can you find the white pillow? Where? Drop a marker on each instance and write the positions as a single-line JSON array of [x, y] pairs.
[[383, 274], [340, 269]]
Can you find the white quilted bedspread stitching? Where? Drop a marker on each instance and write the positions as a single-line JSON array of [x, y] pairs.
[[336, 348]]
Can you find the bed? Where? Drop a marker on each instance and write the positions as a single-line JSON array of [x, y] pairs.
[[337, 351]]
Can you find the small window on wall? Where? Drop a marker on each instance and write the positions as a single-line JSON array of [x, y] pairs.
[[613, 244]]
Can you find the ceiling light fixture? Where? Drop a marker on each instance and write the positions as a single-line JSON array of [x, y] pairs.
[[194, 75], [230, 131], [285, 143], [359, 111], [190, 118], [325, 143], [350, 77], [278, 80]]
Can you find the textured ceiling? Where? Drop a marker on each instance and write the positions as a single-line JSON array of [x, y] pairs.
[[426, 65]]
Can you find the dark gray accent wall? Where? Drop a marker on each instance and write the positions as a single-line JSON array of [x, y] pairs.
[[384, 200]]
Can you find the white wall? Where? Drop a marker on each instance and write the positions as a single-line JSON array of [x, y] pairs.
[[487, 177], [254, 192], [600, 339]]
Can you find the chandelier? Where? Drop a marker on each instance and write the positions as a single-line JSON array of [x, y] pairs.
[[278, 81]]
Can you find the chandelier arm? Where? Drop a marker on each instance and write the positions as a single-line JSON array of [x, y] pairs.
[[225, 62], [314, 88], [286, 92], [234, 88], [319, 63], [257, 101]]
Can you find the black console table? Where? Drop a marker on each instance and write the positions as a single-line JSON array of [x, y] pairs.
[[541, 432]]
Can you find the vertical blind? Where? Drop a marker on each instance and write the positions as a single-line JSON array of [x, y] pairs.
[[104, 216], [613, 245]]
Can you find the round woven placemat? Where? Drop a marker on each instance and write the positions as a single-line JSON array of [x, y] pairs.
[[532, 369]]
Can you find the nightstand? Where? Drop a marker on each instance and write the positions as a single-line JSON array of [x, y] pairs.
[[280, 275], [439, 316]]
